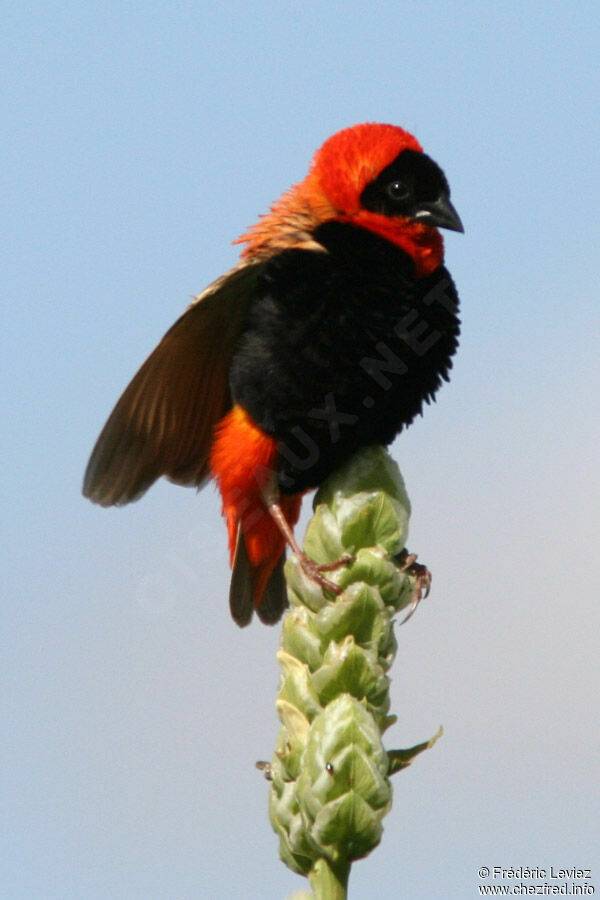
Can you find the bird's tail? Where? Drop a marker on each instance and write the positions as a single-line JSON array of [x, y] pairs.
[[243, 460]]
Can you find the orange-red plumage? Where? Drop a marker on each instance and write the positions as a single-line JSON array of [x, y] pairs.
[[339, 173], [350, 159], [243, 460]]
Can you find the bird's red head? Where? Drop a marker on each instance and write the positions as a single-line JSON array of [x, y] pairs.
[[343, 184], [349, 160]]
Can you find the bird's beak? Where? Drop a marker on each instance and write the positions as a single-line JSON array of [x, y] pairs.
[[439, 213]]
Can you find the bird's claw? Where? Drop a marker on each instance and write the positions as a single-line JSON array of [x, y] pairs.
[[345, 560], [314, 571]]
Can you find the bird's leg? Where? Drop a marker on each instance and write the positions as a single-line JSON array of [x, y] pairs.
[[270, 495], [408, 563]]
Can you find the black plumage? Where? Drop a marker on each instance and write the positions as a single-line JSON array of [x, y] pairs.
[[341, 348]]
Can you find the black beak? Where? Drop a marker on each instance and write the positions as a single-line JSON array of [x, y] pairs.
[[439, 213]]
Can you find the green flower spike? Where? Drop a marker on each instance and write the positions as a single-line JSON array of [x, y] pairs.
[[330, 786]]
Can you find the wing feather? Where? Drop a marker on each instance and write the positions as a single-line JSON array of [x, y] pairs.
[[163, 423]]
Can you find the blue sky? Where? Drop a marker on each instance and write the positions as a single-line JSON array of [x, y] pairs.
[[140, 140]]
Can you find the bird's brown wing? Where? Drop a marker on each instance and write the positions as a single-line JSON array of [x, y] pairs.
[[163, 423]]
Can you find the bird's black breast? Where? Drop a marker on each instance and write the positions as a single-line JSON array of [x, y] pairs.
[[341, 348]]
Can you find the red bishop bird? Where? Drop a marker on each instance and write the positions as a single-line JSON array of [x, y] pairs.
[[334, 328]]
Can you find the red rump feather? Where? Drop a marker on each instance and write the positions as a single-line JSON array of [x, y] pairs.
[[243, 459]]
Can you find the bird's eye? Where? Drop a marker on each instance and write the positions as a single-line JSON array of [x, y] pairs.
[[398, 190]]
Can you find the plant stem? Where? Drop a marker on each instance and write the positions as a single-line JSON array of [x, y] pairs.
[[329, 881]]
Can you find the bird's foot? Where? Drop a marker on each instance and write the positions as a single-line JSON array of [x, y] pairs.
[[314, 571], [345, 560], [408, 563], [310, 568]]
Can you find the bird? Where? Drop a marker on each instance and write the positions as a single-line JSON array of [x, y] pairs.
[[337, 324]]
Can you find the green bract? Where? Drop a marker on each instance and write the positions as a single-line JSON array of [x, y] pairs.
[[330, 773]]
